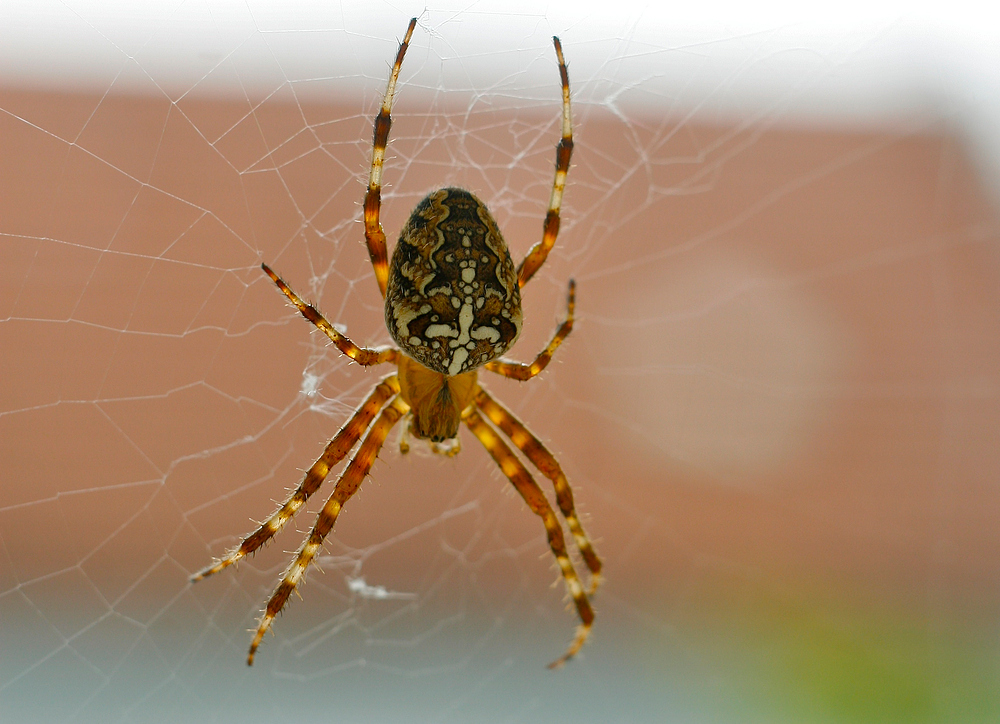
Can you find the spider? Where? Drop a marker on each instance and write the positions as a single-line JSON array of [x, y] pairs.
[[453, 305]]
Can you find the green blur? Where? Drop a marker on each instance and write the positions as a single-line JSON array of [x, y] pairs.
[[805, 658]]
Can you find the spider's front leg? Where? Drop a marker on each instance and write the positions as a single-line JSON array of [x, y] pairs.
[[522, 481], [348, 484], [548, 466], [335, 451]]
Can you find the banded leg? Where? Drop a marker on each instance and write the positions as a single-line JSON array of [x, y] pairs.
[[536, 500], [348, 484], [362, 355], [521, 371], [547, 464], [335, 451], [550, 230], [374, 234]]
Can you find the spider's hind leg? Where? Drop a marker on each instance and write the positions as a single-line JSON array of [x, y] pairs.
[[374, 235], [564, 150]]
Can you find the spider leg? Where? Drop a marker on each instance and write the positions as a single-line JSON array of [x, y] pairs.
[[550, 230], [362, 355], [374, 234], [335, 451], [547, 464], [536, 500], [348, 484], [521, 371], [404, 436]]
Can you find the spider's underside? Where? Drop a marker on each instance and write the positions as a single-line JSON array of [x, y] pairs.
[[453, 305]]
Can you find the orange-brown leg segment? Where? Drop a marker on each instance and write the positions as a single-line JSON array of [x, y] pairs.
[[361, 355], [335, 451], [521, 371], [564, 150], [347, 485], [374, 234], [536, 500], [547, 464]]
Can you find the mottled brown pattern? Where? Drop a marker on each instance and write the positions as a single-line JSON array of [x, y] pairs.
[[453, 304], [453, 301]]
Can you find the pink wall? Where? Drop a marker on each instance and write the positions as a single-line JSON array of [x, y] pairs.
[[781, 393]]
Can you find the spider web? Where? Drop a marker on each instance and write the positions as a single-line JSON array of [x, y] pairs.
[[778, 410]]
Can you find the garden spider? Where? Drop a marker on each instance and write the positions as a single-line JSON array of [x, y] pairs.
[[452, 304]]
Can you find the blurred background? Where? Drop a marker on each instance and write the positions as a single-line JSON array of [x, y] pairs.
[[779, 409]]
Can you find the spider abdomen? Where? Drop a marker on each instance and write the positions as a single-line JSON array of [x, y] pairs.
[[453, 302]]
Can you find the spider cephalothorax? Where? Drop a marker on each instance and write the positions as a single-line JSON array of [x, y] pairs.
[[453, 305]]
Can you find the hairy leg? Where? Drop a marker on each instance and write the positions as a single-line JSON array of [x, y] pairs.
[[347, 485], [361, 355], [535, 498], [335, 451], [564, 150], [521, 371], [545, 461], [374, 234]]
